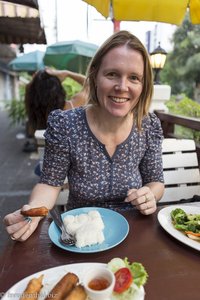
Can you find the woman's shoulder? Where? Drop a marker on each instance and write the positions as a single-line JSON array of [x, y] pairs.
[[151, 120], [66, 116], [152, 125], [61, 122]]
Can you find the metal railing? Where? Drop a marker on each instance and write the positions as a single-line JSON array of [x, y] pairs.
[[168, 122]]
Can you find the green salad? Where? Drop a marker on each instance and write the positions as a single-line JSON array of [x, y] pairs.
[[188, 223], [130, 278]]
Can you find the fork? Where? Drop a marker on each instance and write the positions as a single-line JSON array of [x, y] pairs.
[[65, 238]]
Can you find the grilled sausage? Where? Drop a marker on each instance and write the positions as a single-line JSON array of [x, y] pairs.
[[35, 212]]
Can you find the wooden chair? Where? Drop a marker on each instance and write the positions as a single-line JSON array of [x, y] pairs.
[[181, 170]]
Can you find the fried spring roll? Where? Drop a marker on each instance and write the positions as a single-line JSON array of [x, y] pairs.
[[63, 287], [35, 212], [33, 289], [78, 293]]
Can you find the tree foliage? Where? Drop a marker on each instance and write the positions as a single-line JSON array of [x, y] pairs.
[[184, 106], [182, 68]]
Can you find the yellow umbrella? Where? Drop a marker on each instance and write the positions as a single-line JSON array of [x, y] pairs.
[[167, 11]]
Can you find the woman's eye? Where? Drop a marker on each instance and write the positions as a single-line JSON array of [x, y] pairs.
[[135, 78], [111, 75]]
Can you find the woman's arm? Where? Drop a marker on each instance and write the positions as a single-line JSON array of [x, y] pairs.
[[157, 188], [62, 74], [44, 195]]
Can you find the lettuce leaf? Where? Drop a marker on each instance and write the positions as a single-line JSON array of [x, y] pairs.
[[138, 272], [139, 278], [137, 269]]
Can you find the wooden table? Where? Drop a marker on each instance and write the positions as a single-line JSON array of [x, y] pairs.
[[173, 268]]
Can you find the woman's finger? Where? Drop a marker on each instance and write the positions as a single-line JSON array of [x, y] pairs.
[[25, 232], [11, 229]]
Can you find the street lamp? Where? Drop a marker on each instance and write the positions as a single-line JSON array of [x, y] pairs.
[[158, 58]]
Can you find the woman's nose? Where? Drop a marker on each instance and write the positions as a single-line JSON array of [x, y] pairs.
[[122, 85]]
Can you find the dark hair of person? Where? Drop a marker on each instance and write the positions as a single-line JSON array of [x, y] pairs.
[[118, 39], [44, 94]]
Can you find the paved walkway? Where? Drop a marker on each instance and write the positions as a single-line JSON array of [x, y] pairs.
[[17, 176]]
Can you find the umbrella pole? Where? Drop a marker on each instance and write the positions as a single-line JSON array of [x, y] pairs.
[[116, 25]]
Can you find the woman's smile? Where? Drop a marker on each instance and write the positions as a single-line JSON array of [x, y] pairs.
[[119, 100]]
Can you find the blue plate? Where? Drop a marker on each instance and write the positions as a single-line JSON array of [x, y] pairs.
[[115, 231]]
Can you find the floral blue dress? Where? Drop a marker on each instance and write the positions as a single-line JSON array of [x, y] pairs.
[[94, 177]]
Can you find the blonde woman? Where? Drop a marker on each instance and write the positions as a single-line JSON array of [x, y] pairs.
[[111, 149]]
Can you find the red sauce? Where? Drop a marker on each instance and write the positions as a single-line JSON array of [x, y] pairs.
[[98, 284]]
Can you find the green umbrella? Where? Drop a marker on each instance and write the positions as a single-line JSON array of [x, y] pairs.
[[29, 62], [70, 55]]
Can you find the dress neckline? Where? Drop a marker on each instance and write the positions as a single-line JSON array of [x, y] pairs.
[[102, 146]]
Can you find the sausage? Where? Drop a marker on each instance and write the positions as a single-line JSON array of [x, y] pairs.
[[63, 287], [33, 289], [78, 293], [35, 212]]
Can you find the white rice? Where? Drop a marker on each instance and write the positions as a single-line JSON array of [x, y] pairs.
[[87, 228]]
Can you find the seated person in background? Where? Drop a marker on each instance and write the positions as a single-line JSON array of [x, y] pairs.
[[45, 93], [78, 99]]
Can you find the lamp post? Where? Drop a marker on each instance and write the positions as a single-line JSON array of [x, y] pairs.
[[158, 58]]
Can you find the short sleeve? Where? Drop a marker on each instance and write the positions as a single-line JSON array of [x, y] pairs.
[[151, 166], [56, 155]]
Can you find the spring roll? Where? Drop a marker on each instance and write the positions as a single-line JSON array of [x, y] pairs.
[[78, 293], [33, 289], [63, 287]]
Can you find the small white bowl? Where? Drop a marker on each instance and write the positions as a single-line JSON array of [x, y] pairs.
[[99, 273]]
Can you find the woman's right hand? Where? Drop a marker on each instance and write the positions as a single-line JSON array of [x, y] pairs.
[[19, 227]]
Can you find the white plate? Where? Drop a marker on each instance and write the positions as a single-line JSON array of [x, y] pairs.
[[51, 277], [164, 219], [115, 231]]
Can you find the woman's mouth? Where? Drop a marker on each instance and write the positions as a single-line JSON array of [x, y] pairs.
[[119, 100]]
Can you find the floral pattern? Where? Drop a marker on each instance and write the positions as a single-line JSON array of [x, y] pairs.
[[94, 177]]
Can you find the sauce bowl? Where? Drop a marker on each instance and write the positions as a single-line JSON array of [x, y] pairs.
[[99, 283]]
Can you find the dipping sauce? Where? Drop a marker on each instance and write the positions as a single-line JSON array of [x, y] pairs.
[[98, 284]]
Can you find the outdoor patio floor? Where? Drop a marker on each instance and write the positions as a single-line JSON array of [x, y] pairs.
[[17, 176]]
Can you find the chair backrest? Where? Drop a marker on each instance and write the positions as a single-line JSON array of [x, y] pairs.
[[181, 170]]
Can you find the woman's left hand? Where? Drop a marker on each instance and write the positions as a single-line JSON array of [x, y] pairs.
[[143, 199]]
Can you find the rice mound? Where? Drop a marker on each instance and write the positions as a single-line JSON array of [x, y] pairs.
[[86, 228]]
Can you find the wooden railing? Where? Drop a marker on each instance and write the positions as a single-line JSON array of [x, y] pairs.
[[168, 122]]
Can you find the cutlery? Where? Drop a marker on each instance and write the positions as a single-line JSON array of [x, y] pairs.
[[65, 238]]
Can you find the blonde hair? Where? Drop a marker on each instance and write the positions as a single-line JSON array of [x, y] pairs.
[[121, 38]]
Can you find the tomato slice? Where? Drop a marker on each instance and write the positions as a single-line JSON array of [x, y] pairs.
[[123, 280]]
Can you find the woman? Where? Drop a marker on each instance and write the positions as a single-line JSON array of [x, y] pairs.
[[45, 93], [78, 99], [110, 150]]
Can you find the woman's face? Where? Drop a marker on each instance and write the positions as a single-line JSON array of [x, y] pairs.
[[120, 81]]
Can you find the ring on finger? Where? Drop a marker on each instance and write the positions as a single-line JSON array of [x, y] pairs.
[[12, 238], [146, 198]]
